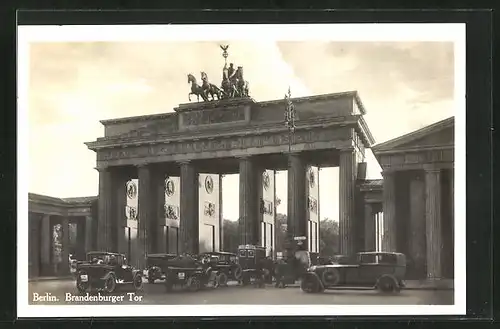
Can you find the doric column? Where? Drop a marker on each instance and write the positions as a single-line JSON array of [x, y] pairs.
[[369, 228], [45, 245], [88, 234], [297, 196], [105, 209], [347, 182], [146, 212], [416, 229], [189, 211], [249, 206], [120, 195], [161, 239], [64, 270], [221, 217], [389, 212], [433, 222]]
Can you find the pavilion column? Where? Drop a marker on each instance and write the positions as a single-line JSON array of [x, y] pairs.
[[45, 245], [64, 270], [146, 212], [105, 209], [369, 228], [347, 183], [433, 222], [389, 211], [417, 235], [88, 234], [297, 218], [189, 210], [248, 215]]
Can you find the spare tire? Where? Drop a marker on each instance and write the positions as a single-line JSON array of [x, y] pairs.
[[330, 277]]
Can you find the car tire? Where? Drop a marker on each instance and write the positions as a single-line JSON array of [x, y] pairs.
[[330, 277], [137, 282], [387, 284], [110, 284], [310, 285], [221, 279], [194, 284]]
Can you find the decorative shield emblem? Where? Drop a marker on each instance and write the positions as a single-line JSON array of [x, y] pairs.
[[209, 209], [312, 178], [131, 189], [131, 213], [266, 180], [169, 187], [209, 184]]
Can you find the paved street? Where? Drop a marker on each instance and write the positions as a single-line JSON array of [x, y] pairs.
[[155, 294]]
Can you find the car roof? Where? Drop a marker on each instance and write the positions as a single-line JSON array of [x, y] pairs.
[[380, 252], [161, 255], [219, 253], [103, 253]]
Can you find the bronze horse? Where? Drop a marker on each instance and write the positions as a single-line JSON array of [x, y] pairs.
[[209, 88], [196, 89]]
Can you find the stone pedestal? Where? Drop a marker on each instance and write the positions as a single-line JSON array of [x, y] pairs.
[[389, 211], [105, 209], [45, 245], [433, 223], [347, 183], [189, 212], [297, 196], [248, 222], [416, 229], [369, 228]]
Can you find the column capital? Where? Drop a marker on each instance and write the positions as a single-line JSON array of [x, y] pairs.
[[432, 169], [387, 173], [184, 162], [102, 168], [142, 165], [347, 150]]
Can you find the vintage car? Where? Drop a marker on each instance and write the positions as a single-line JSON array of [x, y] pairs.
[[254, 264], [384, 271], [105, 271], [292, 267], [186, 271], [154, 265], [224, 265]]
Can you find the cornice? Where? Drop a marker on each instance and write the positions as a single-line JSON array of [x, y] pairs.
[[256, 129]]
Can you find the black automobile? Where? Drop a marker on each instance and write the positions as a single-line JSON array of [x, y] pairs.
[[186, 271], [225, 265], [154, 265], [292, 267], [384, 271], [254, 263], [105, 271]]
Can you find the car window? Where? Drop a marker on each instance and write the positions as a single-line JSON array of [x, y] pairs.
[[243, 253], [387, 259], [368, 259], [251, 253]]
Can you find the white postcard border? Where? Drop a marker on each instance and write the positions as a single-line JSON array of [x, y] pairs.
[[334, 32]]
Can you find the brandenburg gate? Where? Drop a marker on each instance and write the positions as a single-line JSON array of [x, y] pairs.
[[227, 134]]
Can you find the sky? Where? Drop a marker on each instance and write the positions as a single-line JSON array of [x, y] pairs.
[[404, 86]]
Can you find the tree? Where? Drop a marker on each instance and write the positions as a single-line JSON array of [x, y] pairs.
[[230, 236], [328, 237]]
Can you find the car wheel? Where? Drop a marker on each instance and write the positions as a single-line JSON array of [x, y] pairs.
[[238, 273], [138, 282], [387, 284], [194, 284], [330, 277], [310, 285], [221, 279], [110, 284]]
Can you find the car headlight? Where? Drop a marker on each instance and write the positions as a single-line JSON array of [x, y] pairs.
[[311, 269]]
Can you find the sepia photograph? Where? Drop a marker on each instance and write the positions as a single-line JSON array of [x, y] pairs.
[[241, 170]]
